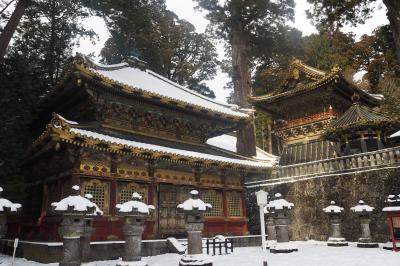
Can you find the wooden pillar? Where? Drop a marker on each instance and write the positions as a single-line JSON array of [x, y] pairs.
[[379, 141], [45, 199], [113, 197], [363, 144], [198, 171], [151, 165]]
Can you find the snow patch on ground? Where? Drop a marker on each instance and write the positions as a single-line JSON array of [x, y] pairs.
[[311, 253]]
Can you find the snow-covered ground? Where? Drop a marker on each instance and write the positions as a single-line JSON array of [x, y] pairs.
[[311, 253]]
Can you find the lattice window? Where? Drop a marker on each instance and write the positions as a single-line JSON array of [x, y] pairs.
[[125, 192], [234, 204], [216, 200], [100, 192]]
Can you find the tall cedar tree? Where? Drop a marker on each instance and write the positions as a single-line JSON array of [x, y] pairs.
[[170, 46], [333, 14], [42, 45], [9, 30], [249, 26]]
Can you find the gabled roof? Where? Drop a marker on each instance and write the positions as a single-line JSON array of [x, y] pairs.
[[228, 142], [74, 133], [132, 78], [359, 116], [315, 79]]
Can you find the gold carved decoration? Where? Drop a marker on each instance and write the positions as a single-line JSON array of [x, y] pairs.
[[97, 168], [212, 180], [170, 176], [100, 191], [132, 172], [233, 181]]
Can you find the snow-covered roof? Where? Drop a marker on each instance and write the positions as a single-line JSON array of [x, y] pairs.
[[228, 142], [333, 208], [135, 205], [167, 150], [77, 203], [362, 207], [6, 205], [394, 202], [395, 135], [148, 81], [279, 203], [194, 203]]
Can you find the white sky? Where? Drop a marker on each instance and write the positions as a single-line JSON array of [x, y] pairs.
[[185, 10]]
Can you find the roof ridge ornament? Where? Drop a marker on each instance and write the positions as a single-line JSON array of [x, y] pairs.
[[136, 62]]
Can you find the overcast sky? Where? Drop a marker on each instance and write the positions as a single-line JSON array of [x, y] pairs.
[[185, 10]]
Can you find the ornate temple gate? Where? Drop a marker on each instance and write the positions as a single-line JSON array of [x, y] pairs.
[[171, 222]]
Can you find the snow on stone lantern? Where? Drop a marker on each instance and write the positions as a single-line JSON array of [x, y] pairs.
[[6, 208], [335, 214], [134, 212], [393, 214], [193, 208], [280, 207], [73, 209], [364, 213]]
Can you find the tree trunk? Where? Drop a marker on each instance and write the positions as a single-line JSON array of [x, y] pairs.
[[246, 140], [393, 14], [11, 26]]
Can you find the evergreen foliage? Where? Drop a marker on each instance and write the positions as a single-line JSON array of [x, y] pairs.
[[171, 46], [34, 63]]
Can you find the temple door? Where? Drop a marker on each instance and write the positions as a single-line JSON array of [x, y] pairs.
[[171, 222]]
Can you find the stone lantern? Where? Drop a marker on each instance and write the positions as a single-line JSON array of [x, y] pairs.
[[280, 209], [335, 214], [134, 212], [193, 209], [73, 208], [271, 231], [364, 213], [88, 231], [6, 208]]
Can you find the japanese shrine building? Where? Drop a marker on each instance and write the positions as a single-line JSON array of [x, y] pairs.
[[122, 128], [319, 115]]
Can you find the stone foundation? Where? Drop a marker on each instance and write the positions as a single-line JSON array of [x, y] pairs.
[[310, 196], [108, 250]]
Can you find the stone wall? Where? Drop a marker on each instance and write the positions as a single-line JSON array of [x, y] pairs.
[[49, 252], [310, 196]]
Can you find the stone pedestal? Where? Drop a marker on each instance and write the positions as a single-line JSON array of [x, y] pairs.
[[133, 230], [88, 231], [195, 244], [365, 240], [283, 245], [193, 209], [71, 231], [134, 212], [336, 239], [271, 231], [280, 207]]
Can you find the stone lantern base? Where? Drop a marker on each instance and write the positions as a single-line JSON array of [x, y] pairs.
[[198, 260], [283, 247], [337, 242], [366, 243]]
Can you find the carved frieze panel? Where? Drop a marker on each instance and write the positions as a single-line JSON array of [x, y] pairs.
[[162, 123]]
